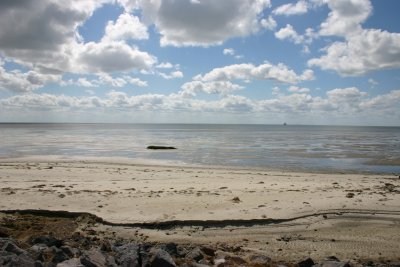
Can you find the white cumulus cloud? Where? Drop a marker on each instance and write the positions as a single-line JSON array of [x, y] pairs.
[[190, 89], [20, 82], [112, 56], [289, 33], [363, 50], [335, 103], [296, 89], [203, 23], [126, 27], [171, 75], [229, 51], [301, 7], [367, 51], [345, 17], [266, 71], [269, 23], [165, 65]]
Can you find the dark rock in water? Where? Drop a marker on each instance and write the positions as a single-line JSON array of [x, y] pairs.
[[128, 255], [93, 258], [161, 147], [161, 258], [48, 241], [306, 263]]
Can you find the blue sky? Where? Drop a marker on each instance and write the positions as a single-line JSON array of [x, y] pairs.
[[201, 61]]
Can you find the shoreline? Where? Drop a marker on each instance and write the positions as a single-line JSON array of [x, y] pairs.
[[145, 162]]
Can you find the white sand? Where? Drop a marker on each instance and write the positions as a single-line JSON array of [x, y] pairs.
[[124, 193]]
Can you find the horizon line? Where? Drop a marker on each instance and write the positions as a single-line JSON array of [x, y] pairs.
[[204, 123]]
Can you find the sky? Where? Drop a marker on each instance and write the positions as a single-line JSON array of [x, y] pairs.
[[201, 61]]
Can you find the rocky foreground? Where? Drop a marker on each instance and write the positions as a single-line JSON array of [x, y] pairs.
[[32, 240], [81, 251]]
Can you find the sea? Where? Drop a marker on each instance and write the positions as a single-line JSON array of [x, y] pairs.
[[279, 147]]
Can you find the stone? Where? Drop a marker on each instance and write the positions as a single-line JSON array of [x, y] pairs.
[[145, 252], [234, 260], [12, 255], [161, 258], [38, 251], [11, 247], [59, 256], [48, 241], [332, 264], [219, 262], [75, 262], [3, 232], [208, 251], [259, 260], [306, 263], [71, 252], [195, 264], [195, 254], [111, 261], [128, 255], [8, 259], [38, 248], [171, 248], [106, 246], [93, 258]]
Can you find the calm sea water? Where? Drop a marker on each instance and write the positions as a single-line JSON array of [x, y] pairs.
[[309, 148]]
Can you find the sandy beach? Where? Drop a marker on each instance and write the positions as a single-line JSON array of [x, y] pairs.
[[288, 215]]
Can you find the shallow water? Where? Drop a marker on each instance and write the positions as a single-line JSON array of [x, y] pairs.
[[303, 148]]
